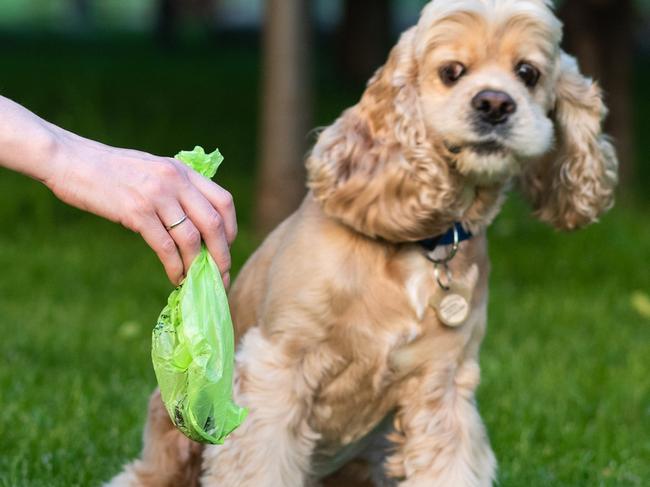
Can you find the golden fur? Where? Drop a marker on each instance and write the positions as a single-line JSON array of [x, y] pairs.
[[345, 367]]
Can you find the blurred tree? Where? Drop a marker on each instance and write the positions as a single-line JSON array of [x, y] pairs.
[[167, 15], [170, 13], [364, 37], [601, 34], [83, 11], [286, 112]]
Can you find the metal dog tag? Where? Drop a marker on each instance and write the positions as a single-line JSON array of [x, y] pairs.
[[452, 301], [453, 310]]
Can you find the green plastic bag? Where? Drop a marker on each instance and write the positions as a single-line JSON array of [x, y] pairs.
[[193, 343]]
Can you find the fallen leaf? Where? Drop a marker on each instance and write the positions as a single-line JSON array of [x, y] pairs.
[[129, 329], [641, 303]]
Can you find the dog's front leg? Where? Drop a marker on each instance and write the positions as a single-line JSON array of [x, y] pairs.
[[441, 440], [274, 445]]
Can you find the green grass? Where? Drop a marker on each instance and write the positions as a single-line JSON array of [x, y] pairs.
[[565, 392]]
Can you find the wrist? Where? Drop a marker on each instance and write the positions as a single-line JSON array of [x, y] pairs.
[[65, 166], [53, 159]]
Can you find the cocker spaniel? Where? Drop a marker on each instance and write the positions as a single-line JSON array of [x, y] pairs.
[[359, 319]]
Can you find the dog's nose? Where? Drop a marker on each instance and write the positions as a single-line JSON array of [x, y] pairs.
[[494, 107]]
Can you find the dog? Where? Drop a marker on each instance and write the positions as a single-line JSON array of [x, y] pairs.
[[354, 364]]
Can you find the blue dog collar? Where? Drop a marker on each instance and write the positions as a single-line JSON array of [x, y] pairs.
[[431, 244]]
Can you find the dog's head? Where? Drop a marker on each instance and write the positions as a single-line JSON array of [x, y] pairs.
[[477, 93], [487, 81]]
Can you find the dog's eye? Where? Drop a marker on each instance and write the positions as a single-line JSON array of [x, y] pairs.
[[528, 73], [451, 73]]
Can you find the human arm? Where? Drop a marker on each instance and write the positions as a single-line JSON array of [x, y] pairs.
[[145, 193]]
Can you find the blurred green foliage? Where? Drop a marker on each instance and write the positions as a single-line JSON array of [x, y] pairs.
[[565, 392], [137, 14]]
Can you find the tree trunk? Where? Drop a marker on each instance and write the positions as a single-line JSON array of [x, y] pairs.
[[286, 113], [364, 37], [167, 16], [600, 34]]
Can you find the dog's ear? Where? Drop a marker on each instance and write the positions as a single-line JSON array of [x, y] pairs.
[[375, 169], [572, 186]]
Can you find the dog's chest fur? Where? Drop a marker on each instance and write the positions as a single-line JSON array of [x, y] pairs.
[[352, 317], [391, 337]]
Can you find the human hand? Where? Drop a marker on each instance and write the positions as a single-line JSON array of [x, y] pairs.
[[173, 207]]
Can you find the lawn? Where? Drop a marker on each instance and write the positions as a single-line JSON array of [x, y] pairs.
[[565, 392]]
